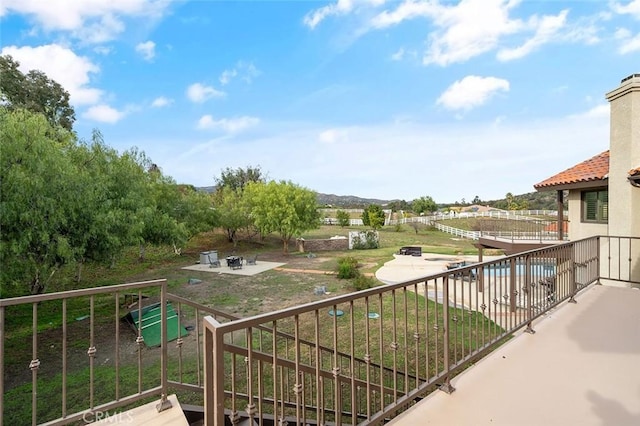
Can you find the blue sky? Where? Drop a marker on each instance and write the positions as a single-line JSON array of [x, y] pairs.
[[374, 98]]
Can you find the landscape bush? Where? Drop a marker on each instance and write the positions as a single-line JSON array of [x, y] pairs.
[[366, 240], [347, 268], [363, 282]]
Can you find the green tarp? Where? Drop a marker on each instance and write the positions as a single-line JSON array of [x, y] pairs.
[[151, 321]]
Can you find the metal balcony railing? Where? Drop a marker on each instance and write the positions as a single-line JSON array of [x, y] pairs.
[[75, 312], [417, 333], [358, 358], [539, 230]]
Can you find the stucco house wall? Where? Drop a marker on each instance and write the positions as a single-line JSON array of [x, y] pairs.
[[577, 228], [624, 199]]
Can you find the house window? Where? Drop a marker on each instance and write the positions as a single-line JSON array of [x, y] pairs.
[[595, 206]]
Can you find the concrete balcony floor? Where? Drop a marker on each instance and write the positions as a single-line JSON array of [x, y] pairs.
[[581, 367]]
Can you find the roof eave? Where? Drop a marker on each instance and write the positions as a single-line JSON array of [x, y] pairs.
[[596, 183]]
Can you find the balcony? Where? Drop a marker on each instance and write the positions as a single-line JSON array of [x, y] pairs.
[[525, 233], [580, 368], [393, 353]]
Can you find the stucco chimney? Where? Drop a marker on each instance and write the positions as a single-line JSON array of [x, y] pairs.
[[624, 145]]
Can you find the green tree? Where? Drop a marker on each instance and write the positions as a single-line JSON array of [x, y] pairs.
[[196, 210], [37, 201], [35, 92], [63, 201], [237, 179], [373, 216], [234, 212], [343, 218], [230, 185], [282, 207], [397, 205], [424, 204]]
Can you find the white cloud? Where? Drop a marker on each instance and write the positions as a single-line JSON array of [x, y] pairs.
[[398, 55], [487, 151], [99, 31], [104, 114], [463, 30], [628, 42], [597, 112], [147, 50], [93, 21], [249, 71], [102, 50], [61, 64], [468, 29], [471, 91], [228, 125], [630, 45], [409, 9], [331, 136], [246, 71], [161, 101], [227, 75], [200, 93], [403, 53], [632, 8], [546, 29], [341, 7]]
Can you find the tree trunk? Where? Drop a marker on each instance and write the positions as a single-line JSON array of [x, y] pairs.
[[36, 285], [79, 270], [177, 250], [142, 253]]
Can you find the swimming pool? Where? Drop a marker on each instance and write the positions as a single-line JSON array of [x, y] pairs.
[[504, 269]]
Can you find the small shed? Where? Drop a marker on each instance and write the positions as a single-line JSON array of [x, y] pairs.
[[151, 321]]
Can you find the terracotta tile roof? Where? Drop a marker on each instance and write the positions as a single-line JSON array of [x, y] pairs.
[[593, 169]]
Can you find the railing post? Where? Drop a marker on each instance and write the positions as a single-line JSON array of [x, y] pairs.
[[528, 290], [560, 217], [446, 386], [213, 373], [34, 365], [572, 273], [1, 364], [598, 282], [164, 402], [512, 284]]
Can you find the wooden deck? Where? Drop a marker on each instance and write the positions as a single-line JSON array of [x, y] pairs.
[[513, 246]]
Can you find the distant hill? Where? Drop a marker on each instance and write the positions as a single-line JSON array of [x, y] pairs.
[[350, 201], [535, 200], [209, 189], [347, 201], [545, 200]]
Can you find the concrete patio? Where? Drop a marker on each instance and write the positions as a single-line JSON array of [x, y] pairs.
[[246, 270], [581, 367]]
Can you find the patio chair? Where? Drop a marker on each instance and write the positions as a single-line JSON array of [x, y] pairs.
[[251, 260]]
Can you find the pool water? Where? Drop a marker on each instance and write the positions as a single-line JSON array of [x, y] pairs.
[[501, 270]]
